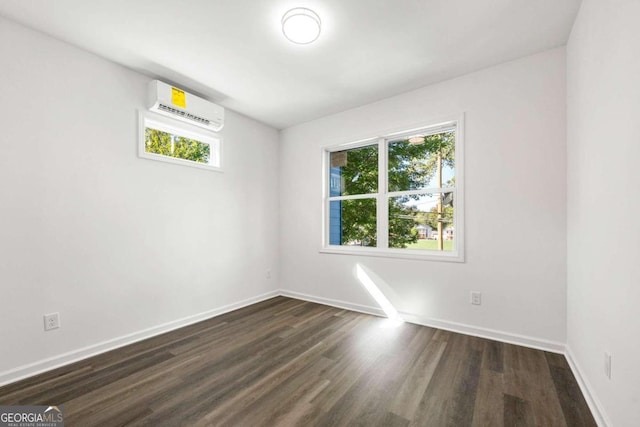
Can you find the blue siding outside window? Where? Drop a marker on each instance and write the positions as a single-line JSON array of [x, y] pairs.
[[335, 207]]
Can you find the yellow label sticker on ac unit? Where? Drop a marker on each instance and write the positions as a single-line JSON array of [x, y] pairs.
[[178, 97]]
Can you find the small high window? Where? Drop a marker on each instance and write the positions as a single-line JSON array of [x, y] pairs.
[[165, 139]]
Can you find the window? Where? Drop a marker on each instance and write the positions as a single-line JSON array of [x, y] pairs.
[[398, 195], [169, 140]]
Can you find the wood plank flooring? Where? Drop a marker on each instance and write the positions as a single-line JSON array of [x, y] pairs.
[[285, 362]]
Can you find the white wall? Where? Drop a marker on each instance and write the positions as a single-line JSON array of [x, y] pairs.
[[515, 204], [603, 75], [115, 243]]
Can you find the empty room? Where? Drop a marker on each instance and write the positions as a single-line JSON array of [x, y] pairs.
[[320, 213]]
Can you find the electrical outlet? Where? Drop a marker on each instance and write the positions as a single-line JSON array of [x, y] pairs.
[[476, 298], [268, 273], [51, 321], [607, 364]]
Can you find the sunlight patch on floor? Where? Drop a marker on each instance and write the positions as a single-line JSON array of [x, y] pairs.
[[377, 295]]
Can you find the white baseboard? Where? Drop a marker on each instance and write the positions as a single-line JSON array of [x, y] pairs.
[[587, 391], [366, 309], [492, 334], [44, 365], [506, 337]]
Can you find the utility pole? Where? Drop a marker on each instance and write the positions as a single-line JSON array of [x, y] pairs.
[[439, 183]]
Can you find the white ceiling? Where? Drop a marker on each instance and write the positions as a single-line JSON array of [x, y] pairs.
[[233, 51]]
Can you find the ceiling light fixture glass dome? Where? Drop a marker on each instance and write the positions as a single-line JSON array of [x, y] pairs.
[[301, 25]]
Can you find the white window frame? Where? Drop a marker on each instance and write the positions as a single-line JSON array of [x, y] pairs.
[[383, 195], [179, 128]]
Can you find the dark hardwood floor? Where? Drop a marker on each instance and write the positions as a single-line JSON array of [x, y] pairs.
[[285, 362]]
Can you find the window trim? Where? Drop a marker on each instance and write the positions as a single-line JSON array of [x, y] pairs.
[[176, 127], [382, 195]]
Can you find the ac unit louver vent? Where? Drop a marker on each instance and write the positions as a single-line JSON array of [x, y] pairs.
[[181, 105], [183, 114]]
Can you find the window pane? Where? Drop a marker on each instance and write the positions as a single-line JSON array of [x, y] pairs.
[[354, 171], [352, 222], [166, 144], [422, 222], [419, 162]]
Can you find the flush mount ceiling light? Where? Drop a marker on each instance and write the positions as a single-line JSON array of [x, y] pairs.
[[301, 25]]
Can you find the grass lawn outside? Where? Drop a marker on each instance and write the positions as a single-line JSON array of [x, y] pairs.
[[430, 245]]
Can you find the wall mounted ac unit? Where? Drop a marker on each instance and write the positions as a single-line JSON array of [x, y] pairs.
[[176, 103]]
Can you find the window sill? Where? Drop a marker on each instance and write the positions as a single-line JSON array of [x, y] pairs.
[[394, 253], [178, 161]]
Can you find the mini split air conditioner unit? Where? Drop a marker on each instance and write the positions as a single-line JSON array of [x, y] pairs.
[[176, 103]]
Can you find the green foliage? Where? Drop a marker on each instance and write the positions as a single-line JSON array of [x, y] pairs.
[[164, 143], [411, 167], [360, 173], [359, 221], [402, 229]]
